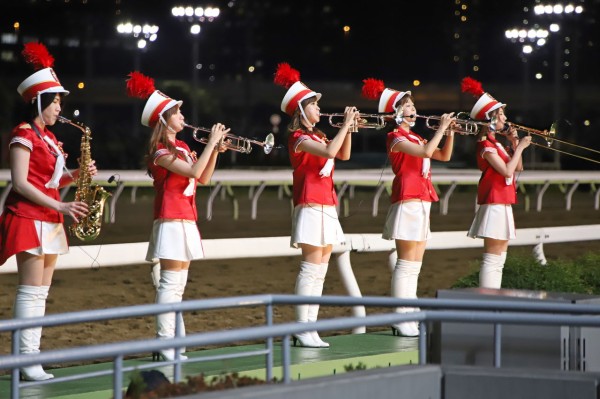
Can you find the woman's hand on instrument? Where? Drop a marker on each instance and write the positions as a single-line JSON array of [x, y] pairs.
[[223, 145], [217, 135], [446, 121], [351, 116], [524, 142], [92, 170], [75, 209]]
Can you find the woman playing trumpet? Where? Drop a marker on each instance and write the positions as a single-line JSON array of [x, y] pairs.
[[315, 224], [175, 239], [407, 221], [496, 192]]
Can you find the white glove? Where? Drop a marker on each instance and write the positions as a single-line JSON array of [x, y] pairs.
[[326, 171]]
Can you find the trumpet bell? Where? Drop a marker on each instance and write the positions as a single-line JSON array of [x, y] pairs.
[[269, 143]]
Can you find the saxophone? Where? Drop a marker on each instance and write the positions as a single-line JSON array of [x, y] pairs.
[[88, 227]]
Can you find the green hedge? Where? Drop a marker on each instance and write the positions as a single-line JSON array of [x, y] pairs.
[[521, 271]]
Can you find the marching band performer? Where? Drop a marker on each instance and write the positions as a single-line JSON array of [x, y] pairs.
[[315, 224], [31, 225], [175, 239], [407, 221], [496, 191]]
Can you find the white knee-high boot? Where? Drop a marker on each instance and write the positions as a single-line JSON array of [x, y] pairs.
[[405, 280], [305, 282], [313, 310], [490, 274], [167, 292], [30, 301], [183, 282]]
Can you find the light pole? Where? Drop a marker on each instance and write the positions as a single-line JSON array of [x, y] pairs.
[[194, 16], [141, 35]]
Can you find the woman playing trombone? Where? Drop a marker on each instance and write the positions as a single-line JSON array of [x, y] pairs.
[[407, 221], [315, 224], [175, 239], [496, 191]]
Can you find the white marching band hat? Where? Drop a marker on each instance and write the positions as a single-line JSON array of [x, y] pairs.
[[155, 106], [142, 86], [374, 89], [484, 106], [389, 100], [485, 102], [289, 78], [44, 80]]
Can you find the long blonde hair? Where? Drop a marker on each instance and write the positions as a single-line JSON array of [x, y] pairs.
[[159, 136]]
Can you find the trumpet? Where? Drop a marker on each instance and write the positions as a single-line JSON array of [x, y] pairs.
[[365, 121], [549, 137], [461, 126], [235, 143]]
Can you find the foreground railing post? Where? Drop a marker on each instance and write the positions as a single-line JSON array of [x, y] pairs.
[[269, 359], [285, 358], [422, 342], [118, 377], [497, 345], [16, 373]]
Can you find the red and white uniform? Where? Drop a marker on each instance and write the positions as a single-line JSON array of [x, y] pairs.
[[309, 186], [18, 231], [494, 188], [315, 220], [412, 174], [412, 191], [495, 195], [175, 234]]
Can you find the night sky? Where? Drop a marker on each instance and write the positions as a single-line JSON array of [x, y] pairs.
[[432, 42]]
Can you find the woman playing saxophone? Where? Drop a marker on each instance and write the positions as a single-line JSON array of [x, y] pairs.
[[31, 225]]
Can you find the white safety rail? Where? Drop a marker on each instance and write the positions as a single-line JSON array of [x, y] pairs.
[[257, 180]]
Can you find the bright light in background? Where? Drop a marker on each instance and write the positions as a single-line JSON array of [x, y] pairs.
[[251, 68], [346, 29], [416, 82], [80, 85], [527, 49], [195, 29], [586, 122], [554, 27], [538, 76], [141, 44]]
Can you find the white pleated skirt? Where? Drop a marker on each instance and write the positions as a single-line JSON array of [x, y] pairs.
[[176, 240], [408, 221], [316, 225], [493, 221], [52, 238]]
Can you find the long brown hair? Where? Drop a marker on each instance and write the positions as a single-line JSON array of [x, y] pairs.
[[159, 136], [296, 121], [485, 129]]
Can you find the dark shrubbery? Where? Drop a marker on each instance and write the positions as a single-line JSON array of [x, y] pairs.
[[521, 271]]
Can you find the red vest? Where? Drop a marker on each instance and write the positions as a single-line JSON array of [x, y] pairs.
[[409, 182], [170, 202], [492, 188], [309, 186], [41, 168]]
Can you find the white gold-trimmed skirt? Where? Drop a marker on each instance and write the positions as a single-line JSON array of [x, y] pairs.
[[408, 221], [316, 225], [493, 221], [176, 240]]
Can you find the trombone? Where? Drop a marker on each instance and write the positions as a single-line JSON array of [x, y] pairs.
[[365, 121], [549, 137], [235, 143]]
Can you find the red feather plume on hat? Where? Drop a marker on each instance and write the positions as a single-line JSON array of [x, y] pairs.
[[285, 75], [37, 55], [372, 88], [471, 86], [140, 85]]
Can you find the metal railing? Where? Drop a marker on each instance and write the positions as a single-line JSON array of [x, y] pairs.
[[448, 310]]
